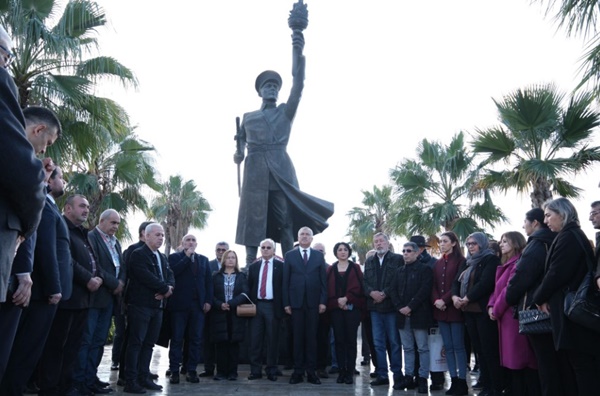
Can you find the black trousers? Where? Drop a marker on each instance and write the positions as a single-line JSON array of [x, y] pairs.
[[554, 371], [484, 332], [228, 355], [60, 352], [345, 328], [144, 327], [28, 345], [305, 322], [9, 320]]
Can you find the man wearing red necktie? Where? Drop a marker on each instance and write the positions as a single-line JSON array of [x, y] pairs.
[[265, 280]]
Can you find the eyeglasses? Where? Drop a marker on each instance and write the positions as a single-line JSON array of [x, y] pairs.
[[407, 250], [592, 214], [8, 58], [266, 247], [221, 250], [471, 243]]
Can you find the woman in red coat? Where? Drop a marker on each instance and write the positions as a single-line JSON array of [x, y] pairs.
[[449, 318], [346, 303], [516, 353]]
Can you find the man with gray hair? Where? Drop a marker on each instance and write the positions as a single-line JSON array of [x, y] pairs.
[[107, 248], [151, 281], [379, 280], [265, 282]]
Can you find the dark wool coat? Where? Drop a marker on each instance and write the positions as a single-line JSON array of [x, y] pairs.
[[226, 325], [413, 290], [391, 263], [566, 266], [445, 272], [483, 282]]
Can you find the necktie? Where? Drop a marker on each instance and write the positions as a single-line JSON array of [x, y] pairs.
[[263, 281], [305, 257]]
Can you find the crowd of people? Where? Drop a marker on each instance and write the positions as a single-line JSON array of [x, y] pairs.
[[62, 285]]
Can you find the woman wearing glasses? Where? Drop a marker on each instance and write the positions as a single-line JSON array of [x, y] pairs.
[[346, 303], [450, 319], [471, 294]]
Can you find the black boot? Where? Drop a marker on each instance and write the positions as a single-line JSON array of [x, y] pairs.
[[341, 377], [461, 388], [423, 385], [407, 382], [450, 390]]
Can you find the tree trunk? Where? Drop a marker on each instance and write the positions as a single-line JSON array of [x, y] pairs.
[[541, 192]]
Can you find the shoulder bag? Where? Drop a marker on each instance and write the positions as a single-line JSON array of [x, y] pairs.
[[582, 306], [534, 321]]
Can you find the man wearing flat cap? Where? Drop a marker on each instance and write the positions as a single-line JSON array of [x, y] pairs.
[[271, 203]]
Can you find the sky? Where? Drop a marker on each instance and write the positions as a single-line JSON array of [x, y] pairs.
[[380, 76]]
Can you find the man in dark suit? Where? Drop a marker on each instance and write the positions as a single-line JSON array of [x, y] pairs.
[[304, 298], [208, 347], [52, 278], [42, 128], [265, 282], [22, 189], [60, 352], [150, 283], [107, 249], [187, 306]]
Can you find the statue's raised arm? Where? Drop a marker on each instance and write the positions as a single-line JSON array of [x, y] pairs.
[[298, 70]]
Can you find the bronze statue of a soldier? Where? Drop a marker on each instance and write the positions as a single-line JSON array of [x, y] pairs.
[[271, 203]]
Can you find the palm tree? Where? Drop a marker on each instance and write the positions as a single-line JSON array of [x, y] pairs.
[[580, 18], [434, 192], [114, 178], [55, 68], [368, 220], [539, 145], [178, 207]]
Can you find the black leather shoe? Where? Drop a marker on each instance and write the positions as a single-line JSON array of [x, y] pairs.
[[153, 376], [98, 390], [134, 387], [296, 379], [206, 374], [183, 370], [373, 375], [252, 377], [101, 383], [272, 377], [220, 378], [168, 373], [380, 381], [313, 379], [174, 378], [349, 379], [192, 377], [365, 363], [436, 387], [232, 377], [151, 385]]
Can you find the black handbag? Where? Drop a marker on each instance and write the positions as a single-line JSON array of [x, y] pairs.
[[582, 306], [534, 321]]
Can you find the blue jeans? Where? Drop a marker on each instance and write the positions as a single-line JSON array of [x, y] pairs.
[[92, 345], [409, 337], [384, 329], [453, 334], [190, 322]]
